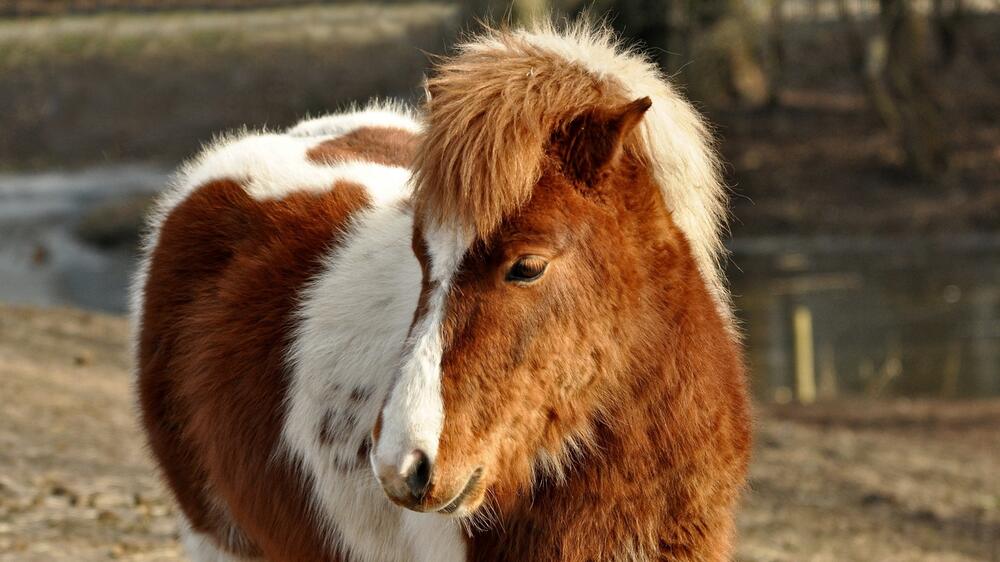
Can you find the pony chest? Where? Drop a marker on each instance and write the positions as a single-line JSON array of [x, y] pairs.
[[352, 322]]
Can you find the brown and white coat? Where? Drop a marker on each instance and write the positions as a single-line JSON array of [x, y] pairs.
[[309, 311]]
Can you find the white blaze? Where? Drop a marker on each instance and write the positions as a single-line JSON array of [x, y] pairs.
[[414, 414]]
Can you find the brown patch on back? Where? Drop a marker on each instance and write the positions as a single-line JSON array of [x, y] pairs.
[[220, 297], [388, 146]]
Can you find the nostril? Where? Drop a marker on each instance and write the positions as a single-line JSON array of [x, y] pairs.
[[418, 473]]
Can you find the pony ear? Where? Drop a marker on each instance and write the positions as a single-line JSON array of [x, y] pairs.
[[591, 143]]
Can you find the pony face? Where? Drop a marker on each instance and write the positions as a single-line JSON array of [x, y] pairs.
[[521, 336]]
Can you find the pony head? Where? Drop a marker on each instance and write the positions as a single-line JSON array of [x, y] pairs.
[[564, 199]]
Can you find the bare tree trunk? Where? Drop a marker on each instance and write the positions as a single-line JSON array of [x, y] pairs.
[[854, 39], [777, 31], [897, 73], [730, 54], [946, 27], [775, 49]]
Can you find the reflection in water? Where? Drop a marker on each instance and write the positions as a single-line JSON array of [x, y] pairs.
[[67, 238], [873, 317]]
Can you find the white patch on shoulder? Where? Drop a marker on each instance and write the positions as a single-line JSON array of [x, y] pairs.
[[271, 166], [354, 318], [414, 415], [201, 548]]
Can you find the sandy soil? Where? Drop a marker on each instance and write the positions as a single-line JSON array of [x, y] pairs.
[[75, 480], [894, 481]]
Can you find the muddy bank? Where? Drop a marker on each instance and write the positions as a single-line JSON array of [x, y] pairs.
[[897, 481]]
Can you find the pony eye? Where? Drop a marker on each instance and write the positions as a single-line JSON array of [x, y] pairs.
[[527, 269]]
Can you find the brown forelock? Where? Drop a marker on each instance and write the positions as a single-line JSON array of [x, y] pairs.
[[619, 347], [491, 110], [390, 146], [216, 325]]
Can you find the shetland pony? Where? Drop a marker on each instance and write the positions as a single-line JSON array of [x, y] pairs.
[[496, 331]]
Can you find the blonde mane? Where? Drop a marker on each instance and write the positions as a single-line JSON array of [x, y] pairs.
[[494, 104]]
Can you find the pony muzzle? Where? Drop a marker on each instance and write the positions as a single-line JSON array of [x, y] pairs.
[[411, 484], [406, 483]]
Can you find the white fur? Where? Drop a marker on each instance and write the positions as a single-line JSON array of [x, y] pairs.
[[685, 164], [264, 164], [414, 415], [354, 318], [271, 166], [434, 538]]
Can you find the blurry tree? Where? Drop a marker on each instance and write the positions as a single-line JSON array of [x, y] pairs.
[[527, 11], [728, 50], [853, 37], [718, 48], [946, 21], [775, 52], [897, 73]]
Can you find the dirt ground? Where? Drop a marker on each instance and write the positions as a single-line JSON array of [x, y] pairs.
[[900, 481]]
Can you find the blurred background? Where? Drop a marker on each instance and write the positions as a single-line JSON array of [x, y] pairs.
[[862, 141]]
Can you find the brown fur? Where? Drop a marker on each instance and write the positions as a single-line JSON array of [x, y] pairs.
[[219, 298], [486, 122], [495, 102], [381, 145], [619, 348], [605, 402]]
